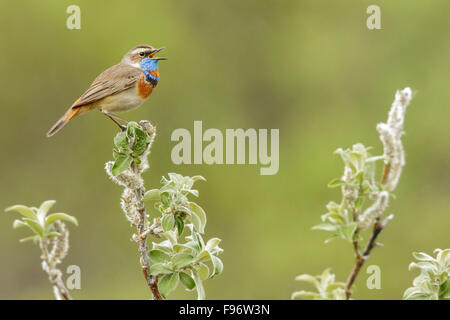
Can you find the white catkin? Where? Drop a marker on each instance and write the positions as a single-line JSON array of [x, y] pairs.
[[128, 204], [60, 244], [348, 192], [390, 135], [127, 178], [374, 211]]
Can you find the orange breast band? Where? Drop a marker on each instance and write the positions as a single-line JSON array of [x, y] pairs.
[[144, 88]]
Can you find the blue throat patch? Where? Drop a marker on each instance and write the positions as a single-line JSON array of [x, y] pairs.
[[149, 65]]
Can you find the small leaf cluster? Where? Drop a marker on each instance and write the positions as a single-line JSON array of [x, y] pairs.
[[433, 282], [358, 184], [173, 261], [325, 284], [129, 146], [39, 221]]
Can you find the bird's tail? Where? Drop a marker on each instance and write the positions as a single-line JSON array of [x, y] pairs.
[[71, 113]]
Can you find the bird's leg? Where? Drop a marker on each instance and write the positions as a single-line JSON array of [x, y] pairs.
[[113, 118], [118, 118]]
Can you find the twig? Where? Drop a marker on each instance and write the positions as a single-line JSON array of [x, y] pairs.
[[361, 258], [54, 274], [134, 208], [390, 135], [141, 239]]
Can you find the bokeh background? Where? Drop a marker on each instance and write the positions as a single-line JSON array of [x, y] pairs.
[[310, 68]]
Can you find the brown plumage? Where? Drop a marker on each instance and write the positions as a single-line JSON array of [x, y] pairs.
[[121, 87]]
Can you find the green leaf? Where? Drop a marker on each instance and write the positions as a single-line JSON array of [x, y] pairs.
[[425, 266], [326, 227], [200, 213], [194, 192], [159, 268], [121, 140], [335, 183], [181, 260], [168, 222], [23, 210], [175, 177], [187, 281], [121, 164], [203, 256], [348, 230], [45, 207], [131, 129], [200, 289], [307, 295], [141, 142], [34, 225], [218, 266], [163, 180], [421, 256], [414, 293], [152, 195], [158, 256], [137, 160], [198, 178], [168, 283], [198, 239], [165, 198], [359, 202], [203, 271], [196, 222], [180, 225], [35, 239], [60, 216], [308, 278], [332, 238], [444, 290], [165, 246], [193, 246], [212, 243], [52, 234], [183, 248], [171, 236], [19, 223], [335, 285]]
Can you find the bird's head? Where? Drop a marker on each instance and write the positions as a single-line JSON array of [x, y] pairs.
[[143, 57]]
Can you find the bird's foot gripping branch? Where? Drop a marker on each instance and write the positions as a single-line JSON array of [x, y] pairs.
[[171, 260]]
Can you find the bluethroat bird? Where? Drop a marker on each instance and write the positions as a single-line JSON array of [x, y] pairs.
[[122, 87]]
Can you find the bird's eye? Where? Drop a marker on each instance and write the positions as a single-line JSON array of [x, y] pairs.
[[142, 54]]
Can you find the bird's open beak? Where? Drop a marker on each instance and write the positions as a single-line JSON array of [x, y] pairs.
[[152, 55]]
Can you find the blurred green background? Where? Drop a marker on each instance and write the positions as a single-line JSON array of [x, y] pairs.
[[310, 68]]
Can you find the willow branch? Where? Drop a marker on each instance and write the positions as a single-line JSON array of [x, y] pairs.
[[390, 135], [378, 226], [141, 239], [49, 261], [134, 208]]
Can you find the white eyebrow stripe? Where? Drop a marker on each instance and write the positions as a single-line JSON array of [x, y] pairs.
[[138, 50]]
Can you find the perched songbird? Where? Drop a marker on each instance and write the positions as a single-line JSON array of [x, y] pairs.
[[120, 88]]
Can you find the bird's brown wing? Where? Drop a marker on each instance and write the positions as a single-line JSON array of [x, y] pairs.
[[113, 80]]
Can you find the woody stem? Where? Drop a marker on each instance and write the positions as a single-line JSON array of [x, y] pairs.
[[141, 239], [378, 226]]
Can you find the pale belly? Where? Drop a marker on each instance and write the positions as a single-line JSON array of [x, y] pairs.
[[120, 102]]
